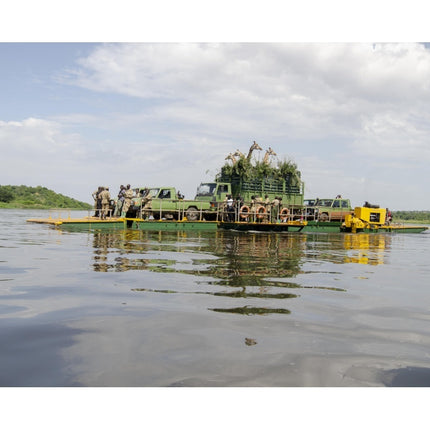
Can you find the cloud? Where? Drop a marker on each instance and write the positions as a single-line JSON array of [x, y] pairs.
[[350, 115], [297, 90]]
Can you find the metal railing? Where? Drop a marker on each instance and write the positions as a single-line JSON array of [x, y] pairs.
[[247, 212]]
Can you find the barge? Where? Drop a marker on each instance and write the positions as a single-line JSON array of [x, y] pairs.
[[361, 221]]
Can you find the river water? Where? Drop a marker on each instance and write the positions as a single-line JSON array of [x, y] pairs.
[[159, 309]]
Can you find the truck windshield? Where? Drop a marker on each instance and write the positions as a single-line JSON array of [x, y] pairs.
[[324, 202], [309, 202], [206, 189], [154, 192]]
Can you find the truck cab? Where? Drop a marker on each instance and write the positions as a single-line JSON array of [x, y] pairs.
[[214, 192]]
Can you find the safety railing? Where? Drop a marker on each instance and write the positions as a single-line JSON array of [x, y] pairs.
[[246, 212]]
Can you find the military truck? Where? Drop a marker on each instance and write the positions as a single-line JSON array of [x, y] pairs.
[[167, 203], [246, 182], [327, 209]]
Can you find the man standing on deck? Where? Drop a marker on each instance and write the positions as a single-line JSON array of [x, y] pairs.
[[230, 208], [120, 201], [105, 198], [274, 213], [97, 201], [128, 195]]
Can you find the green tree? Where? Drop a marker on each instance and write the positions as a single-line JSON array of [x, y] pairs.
[[6, 194]]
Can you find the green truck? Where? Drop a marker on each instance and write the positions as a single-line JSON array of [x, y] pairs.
[[327, 209], [245, 182], [208, 204], [167, 203]]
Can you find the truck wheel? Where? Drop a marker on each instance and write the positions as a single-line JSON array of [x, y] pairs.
[[324, 217], [192, 214]]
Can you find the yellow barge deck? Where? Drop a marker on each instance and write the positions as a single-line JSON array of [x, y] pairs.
[[84, 221]]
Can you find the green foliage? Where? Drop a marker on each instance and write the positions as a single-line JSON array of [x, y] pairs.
[[243, 168], [6, 195], [21, 196], [418, 216]]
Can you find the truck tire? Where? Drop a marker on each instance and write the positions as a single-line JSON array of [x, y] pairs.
[[192, 214], [324, 217]]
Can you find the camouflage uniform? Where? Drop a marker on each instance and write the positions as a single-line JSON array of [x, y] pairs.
[[274, 213], [105, 198], [128, 195], [97, 201], [120, 201]]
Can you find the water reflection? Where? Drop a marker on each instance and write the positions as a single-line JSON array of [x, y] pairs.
[[363, 248], [248, 310], [247, 266], [366, 248]]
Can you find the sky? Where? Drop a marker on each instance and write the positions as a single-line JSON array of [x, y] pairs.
[[353, 116], [159, 93]]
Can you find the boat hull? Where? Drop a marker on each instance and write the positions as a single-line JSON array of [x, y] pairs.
[[162, 225], [91, 223], [260, 226]]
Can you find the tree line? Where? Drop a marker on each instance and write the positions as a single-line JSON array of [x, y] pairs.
[[422, 216], [21, 196]]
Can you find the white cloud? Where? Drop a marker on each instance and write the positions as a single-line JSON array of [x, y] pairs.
[[341, 111]]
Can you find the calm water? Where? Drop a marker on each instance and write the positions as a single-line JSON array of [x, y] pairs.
[[131, 308]]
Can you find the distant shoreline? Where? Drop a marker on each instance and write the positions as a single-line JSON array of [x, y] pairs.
[[25, 197], [42, 207]]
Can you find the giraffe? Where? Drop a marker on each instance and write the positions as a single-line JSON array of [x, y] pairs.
[[232, 158], [254, 146], [268, 153], [239, 154]]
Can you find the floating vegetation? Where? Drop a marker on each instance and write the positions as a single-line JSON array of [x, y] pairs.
[[154, 291], [244, 294], [246, 310]]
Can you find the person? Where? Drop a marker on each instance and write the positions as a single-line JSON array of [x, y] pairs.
[[97, 201], [105, 201], [239, 203], [179, 195], [388, 217], [146, 202], [128, 195], [274, 213], [252, 209], [120, 200], [230, 208], [267, 205]]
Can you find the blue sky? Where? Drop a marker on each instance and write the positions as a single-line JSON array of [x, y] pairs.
[[353, 116]]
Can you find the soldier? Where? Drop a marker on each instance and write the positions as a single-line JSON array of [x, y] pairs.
[[120, 201], [105, 200], [146, 201], [128, 195], [267, 205], [97, 201], [274, 213], [252, 209], [239, 203]]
